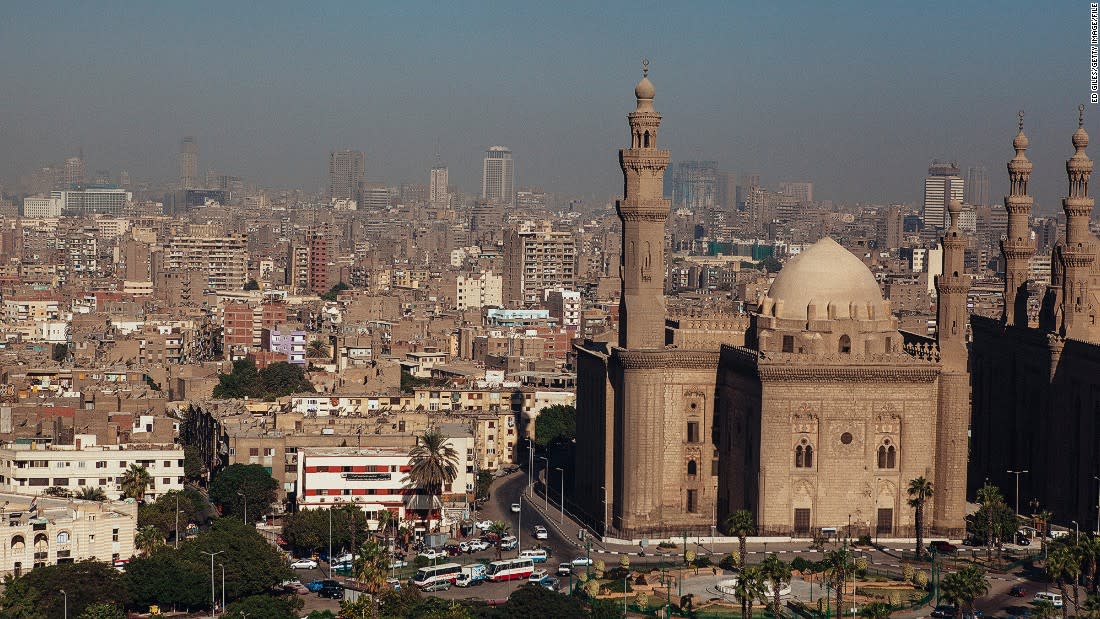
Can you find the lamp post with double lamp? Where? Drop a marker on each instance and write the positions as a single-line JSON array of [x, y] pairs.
[[66, 596], [545, 484], [1077, 533], [604, 490], [222, 565], [562, 517], [1016, 533], [245, 499], [213, 601]]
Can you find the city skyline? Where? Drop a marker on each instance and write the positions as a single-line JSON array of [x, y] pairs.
[[795, 96]]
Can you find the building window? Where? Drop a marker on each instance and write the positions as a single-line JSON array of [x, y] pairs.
[[804, 455], [693, 432], [692, 468], [692, 502], [846, 438], [114, 535], [887, 455], [885, 523], [845, 344], [802, 521], [63, 537], [788, 343]]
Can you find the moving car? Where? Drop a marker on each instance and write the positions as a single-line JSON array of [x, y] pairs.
[[394, 583], [303, 564], [515, 508], [538, 556], [540, 532], [943, 546], [1017, 591], [565, 569], [581, 561], [508, 542], [944, 611], [550, 583], [537, 576]]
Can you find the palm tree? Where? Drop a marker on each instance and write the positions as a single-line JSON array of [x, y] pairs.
[[777, 572], [749, 587], [371, 568], [1089, 549], [147, 539], [920, 490], [839, 564], [501, 529], [1063, 567], [964, 586], [741, 524], [317, 349], [91, 493], [990, 497], [433, 466], [1091, 608], [134, 482], [1044, 528]]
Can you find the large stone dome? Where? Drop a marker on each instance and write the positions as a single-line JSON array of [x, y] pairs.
[[826, 274]]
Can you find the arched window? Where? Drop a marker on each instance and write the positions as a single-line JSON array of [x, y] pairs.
[[881, 457], [804, 455], [891, 457], [845, 344], [887, 455], [799, 456], [809, 456], [692, 468], [645, 140]]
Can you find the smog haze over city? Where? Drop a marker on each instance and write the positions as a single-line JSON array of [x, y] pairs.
[[858, 96]]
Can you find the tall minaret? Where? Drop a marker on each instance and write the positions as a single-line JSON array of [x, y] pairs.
[[1017, 247], [1078, 253], [643, 211], [953, 417]]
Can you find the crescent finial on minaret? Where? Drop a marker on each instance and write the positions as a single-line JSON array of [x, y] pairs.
[[1020, 114], [1081, 115], [645, 68]]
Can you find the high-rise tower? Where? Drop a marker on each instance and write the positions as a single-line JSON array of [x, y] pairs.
[[942, 185], [643, 211], [189, 163], [1079, 251], [437, 185], [498, 176], [346, 170], [1017, 247]]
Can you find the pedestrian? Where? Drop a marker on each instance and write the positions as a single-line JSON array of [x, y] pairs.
[[714, 570]]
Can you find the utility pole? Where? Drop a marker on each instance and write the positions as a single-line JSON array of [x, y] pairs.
[[177, 544], [213, 600], [222, 565], [1015, 534]]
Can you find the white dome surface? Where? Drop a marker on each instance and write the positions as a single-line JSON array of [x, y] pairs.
[[825, 273]]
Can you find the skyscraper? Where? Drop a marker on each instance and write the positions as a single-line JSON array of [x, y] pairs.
[[346, 170], [977, 186], [189, 163], [437, 185], [800, 191], [74, 171], [695, 184], [942, 185], [498, 176]]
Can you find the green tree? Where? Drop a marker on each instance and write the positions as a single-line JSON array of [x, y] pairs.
[[168, 578], [555, 424], [501, 529], [274, 381], [317, 349], [1044, 609], [1001, 516], [371, 569], [59, 352], [102, 610], [38, 592], [59, 492], [161, 514], [777, 573], [876, 610], [135, 481], [91, 493], [239, 485], [484, 483], [148, 538], [1063, 566], [240, 382], [433, 465], [964, 586], [840, 564], [742, 524], [990, 498], [334, 292], [748, 588], [531, 600], [252, 284], [252, 565], [307, 531], [770, 264], [920, 490], [321, 614], [193, 467], [265, 607]]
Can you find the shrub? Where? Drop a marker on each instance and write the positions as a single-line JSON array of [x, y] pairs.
[[864, 540], [420, 561], [617, 586], [617, 573], [666, 544], [728, 562]]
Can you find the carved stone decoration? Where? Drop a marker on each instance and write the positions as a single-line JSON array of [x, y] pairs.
[[844, 438]]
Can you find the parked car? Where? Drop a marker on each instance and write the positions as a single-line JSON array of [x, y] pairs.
[[944, 611], [439, 585], [478, 545], [537, 575], [394, 583], [943, 547], [1017, 591], [398, 564], [454, 549], [484, 525], [303, 564], [1055, 599], [565, 569], [316, 585], [582, 562], [515, 508], [332, 591], [1023, 541], [508, 542], [540, 532], [432, 554]]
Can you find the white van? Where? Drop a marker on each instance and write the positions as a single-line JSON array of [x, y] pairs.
[[1055, 599], [537, 556]]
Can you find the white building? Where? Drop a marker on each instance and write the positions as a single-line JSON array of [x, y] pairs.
[[29, 469], [376, 479], [498, 176], [943, 184], [483, 290], [437, 186], [40, 531], [565, 305], [41, 206]]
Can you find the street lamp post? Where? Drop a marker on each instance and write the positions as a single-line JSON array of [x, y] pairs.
[[604, 489], [213, 601], [330, 538], [546, 484], [222, 565], [519, 528], [530, 465], [1015, 534], [1097, 504], [562, 517], [245, 499], [177, 541], [66, 596], [1077, 533]]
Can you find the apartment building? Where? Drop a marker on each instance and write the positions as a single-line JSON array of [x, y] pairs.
[[29, 467]]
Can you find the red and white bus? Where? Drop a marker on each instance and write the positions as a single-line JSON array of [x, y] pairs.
[[510, 569], [430, 575]]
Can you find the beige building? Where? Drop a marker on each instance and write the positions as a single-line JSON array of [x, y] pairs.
[[536, 260], [222, 260], [40, 531], [476, 291], [818, 414], [29, 469]]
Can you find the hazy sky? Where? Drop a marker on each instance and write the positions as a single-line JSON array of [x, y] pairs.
[[857, 97]]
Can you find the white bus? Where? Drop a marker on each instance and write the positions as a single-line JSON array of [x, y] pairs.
[[428, 575], [510, 569]]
